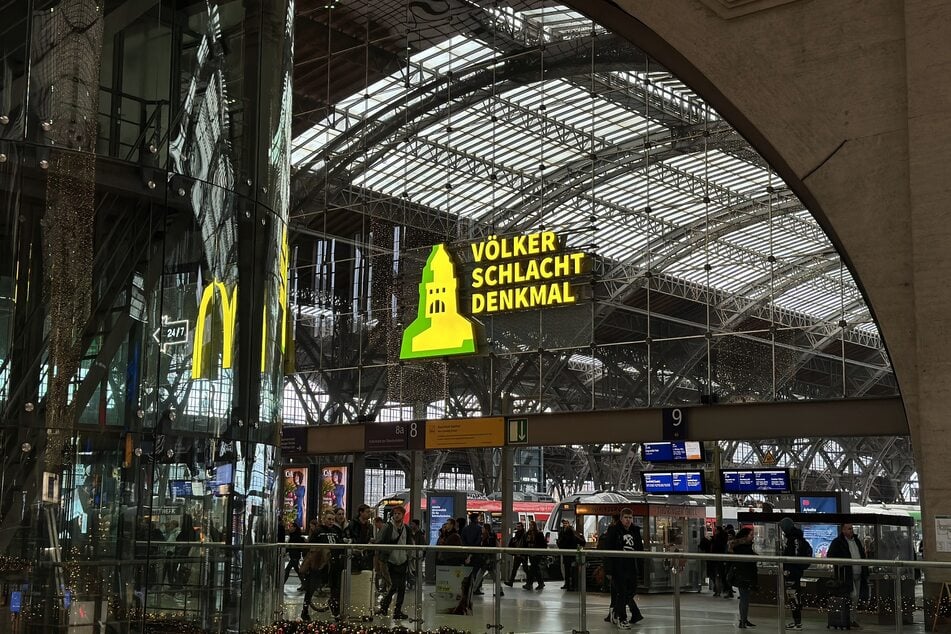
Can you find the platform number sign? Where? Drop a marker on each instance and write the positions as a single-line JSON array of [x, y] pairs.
[[416, 435], [675, 423], [516, 431]]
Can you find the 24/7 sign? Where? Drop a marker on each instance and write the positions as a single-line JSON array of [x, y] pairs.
[[171, 333]]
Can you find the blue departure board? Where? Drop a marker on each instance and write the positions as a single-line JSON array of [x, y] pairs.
[[755, 481], [667, 482], [676, 451]]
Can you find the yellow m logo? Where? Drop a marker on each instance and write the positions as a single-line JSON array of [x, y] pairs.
[[229, 307]]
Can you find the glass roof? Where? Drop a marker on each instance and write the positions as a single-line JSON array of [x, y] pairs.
[[630, 163]]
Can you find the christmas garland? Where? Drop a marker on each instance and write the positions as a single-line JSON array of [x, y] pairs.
[[155, 624], [331, 627]]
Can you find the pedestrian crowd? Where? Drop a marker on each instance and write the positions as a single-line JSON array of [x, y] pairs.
[[396, 569]]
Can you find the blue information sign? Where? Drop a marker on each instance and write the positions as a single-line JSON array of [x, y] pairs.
[[755, 481], [16, 601], [676, 451], [441, 508], [666, 482]]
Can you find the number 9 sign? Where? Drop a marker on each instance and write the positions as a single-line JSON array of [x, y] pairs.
[[675, 423]]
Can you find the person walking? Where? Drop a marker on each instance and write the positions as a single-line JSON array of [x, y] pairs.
[[534, 539], [419, 538], [625, 537], [294, 553], [568, 540], [395, 532], [706, 546], [795, 546], [721, 544], [471, 533], [449, 536], [602, 544], [518, 541], [854, 578], [360, 531], [484, 562], [379, 566], [743, 574], [168, 570], [331, 559]]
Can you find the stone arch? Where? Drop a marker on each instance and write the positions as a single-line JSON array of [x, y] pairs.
[[846, 105]]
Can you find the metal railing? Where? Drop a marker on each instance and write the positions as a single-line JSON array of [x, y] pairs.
[[215, 558]]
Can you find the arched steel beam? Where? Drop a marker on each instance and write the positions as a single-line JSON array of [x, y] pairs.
[[464, 87]]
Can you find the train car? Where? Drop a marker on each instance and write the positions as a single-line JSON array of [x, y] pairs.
[[476, 502], [668, 523]]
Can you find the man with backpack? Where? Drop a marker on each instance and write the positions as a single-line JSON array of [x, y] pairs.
[[397, 561], [796, 546]]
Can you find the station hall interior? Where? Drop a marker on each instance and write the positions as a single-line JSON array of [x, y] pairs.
[[651, 295]]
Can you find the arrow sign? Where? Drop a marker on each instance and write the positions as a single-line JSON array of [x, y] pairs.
[[171, 333], [517, 431]]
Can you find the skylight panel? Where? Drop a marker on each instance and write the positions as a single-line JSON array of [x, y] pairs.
[[615, 224], [456, 52]]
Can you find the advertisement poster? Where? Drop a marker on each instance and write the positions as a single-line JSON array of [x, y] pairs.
[[453, 592], [440, 510], [333, 487], [295, 496], [942, 533], [819, 537]]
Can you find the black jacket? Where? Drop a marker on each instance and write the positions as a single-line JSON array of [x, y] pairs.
[[517, 540], [359, 533], [839, 548], [567, 538], [295, 537], [791, 548], [331, 535], [743, 573], [623, 539]]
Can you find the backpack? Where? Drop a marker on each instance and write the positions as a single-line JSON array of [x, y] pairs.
[[803, 549]]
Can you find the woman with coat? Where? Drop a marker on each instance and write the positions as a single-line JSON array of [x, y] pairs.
[[743, 574], [534, 539]]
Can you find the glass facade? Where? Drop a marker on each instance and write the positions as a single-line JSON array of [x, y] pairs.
[[144, 189]]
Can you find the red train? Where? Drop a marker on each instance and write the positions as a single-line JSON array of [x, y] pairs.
[[477, 503]]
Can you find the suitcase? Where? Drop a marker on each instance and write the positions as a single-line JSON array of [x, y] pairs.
[[840, 614]]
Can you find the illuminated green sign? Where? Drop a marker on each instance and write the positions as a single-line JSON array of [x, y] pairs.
[[511, 273], [438, 330]]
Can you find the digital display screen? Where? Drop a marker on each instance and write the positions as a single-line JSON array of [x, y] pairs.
[[441, 508], [755, 481], [817, 504], [679, 451], [186, 489], [220, 484], [673, 481]]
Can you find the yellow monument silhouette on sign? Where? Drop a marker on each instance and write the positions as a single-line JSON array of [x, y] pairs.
[[438, 330]]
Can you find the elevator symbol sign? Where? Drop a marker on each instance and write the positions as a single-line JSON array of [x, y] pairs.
[[516, 432], [438, 330]]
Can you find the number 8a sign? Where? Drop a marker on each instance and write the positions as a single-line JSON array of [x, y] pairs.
[[675, 423]]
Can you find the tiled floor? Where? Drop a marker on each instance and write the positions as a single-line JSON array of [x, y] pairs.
[[552, 611]]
